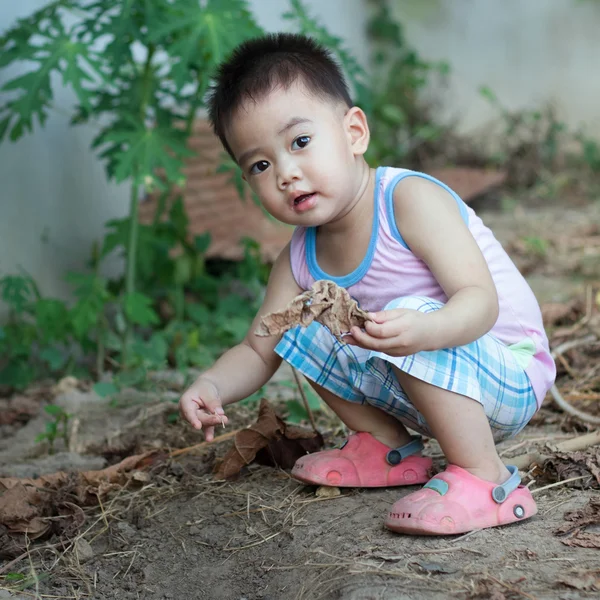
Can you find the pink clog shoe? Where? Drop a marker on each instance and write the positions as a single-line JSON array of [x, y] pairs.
[[364, 461], [456, 501]]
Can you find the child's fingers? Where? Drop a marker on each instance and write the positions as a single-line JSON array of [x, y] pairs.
[[364, 340], [383, 330], [209, 433], [190, 412]]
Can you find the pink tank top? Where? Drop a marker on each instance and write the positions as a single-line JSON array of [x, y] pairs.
[[390, 270]]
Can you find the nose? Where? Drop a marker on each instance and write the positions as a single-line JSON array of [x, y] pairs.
[[287, 173]]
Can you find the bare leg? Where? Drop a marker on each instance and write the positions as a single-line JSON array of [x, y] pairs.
[[460, 426], [364, 417]]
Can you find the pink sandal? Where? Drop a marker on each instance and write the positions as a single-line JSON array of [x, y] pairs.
[[456, 502], [364, 461]]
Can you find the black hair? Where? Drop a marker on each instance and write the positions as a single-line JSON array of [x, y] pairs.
[[259, 65]]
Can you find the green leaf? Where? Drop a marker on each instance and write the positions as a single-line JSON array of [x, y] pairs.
[[138, 309], [17, 291], [52, 319], [394, 114], [92, 297], [487, 93], [296, 411], [132, 377], [198, 313], [55, 358], [202, 242], [51, 429], [105, 388], [137, 151], [40, 437], [54, 410], [201, 35]]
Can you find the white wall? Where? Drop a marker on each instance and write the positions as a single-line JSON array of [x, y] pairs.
[[530, 52], [54, 196]]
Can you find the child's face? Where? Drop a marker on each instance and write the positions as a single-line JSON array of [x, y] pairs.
[[299, 154]]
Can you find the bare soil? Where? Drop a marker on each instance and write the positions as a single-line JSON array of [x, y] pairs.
[[185, 536]]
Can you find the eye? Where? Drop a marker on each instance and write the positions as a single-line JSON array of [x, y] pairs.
[[259, 167], [300, 142]]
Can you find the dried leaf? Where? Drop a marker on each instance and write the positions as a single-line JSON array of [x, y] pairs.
[[268, 441], [26, 505], [582, 580], [554, 313], [18, 409], [325, 302], [578, 521], [490, 588], [568, 465]]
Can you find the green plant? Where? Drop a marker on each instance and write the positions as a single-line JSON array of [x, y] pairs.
[[169, 308], [144, 103], [57, 428], [531, 142], [401, 121]]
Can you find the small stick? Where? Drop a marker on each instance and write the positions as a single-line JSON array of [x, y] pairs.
[[523, 461], [305, 400], [551, 485], [556, 395], [221, 438], [512, 589]]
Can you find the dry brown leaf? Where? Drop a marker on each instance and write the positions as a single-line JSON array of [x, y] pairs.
[[268, 441], [18, 409], [578, 520], [490, 588], [325, 302], [26, 505], [582, 580], [568, 465], [554, 313]]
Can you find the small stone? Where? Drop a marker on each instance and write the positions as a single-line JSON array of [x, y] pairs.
[[326, 491], [126, 529], [194, 530], [84, 551], [220, 510]]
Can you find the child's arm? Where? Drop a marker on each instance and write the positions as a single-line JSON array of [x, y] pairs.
[[429, 220], [245, 368]]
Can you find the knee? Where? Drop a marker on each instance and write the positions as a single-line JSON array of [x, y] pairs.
[[420, 303]]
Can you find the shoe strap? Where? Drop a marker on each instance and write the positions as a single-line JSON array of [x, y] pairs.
[[500, 492], [397, 455]]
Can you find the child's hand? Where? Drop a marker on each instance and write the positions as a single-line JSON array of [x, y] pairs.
[[397, 332], [201, 406]]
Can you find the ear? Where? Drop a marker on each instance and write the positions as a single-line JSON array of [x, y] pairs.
[[357, 129]]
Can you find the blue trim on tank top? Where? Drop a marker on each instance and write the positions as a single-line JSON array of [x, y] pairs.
[[389, 201], [355, 276]]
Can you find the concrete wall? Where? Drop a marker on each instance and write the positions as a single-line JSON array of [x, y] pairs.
[[54, 196], [529, 52]]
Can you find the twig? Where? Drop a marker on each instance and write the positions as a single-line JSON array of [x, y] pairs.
[[564, 405], [305, 400], [512, 589], [556, 395], [523, 461], [221, 438], [551, 485], [465, 536], [7, 567]]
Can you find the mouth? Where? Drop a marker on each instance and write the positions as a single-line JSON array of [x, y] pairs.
[[302, 199]]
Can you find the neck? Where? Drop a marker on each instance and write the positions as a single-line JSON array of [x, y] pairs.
[[359, 209]]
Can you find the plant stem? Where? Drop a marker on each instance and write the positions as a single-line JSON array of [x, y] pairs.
[[133, 210]]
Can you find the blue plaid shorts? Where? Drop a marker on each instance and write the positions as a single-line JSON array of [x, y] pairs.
[[485, 370]]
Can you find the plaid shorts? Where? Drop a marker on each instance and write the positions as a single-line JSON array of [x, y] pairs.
[[485, 370]]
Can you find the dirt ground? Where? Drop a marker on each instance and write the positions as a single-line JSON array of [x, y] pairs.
[[183, 535]]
